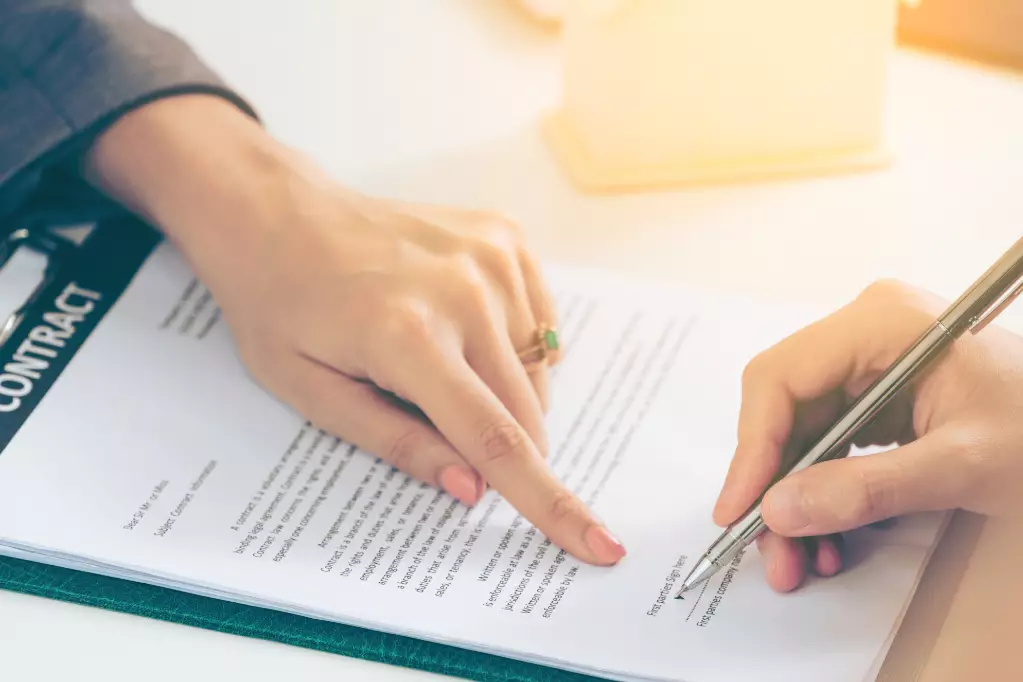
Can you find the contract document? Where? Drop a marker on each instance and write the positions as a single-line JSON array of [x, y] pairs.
[[136, 445]]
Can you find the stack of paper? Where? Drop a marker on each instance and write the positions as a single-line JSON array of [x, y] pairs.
[[135, 444]]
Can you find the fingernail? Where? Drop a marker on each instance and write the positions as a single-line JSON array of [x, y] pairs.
[[828, 561], [784, 506], [604, 545], [461, 484]]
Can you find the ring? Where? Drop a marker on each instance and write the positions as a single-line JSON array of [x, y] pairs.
[[544, 348]]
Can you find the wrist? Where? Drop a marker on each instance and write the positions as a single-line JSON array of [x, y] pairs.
[[201, 170]]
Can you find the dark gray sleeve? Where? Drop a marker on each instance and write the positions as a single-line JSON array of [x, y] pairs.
[[70, 68]]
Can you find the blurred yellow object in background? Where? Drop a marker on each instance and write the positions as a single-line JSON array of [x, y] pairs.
[[988, 31], [546, 11], [662, 92]]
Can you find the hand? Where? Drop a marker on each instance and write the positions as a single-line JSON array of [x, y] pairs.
[[355, 309], [958, 429]]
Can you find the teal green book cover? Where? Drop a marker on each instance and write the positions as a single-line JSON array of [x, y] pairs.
[[249, 621]]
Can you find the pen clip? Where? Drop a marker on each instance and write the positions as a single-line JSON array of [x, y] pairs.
[[996, 307]]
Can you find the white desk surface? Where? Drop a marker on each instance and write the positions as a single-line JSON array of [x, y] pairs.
[[440, 101]]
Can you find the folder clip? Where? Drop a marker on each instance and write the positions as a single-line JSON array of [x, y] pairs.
[[54, 247]]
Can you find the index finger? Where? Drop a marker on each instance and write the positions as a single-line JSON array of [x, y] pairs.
[[859, 339], [476, 423]]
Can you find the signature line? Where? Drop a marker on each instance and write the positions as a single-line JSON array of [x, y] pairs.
[[692, 610]]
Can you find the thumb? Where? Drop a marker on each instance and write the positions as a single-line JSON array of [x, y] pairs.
[[843, 494]]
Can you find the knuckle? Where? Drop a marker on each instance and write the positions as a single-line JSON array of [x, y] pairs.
[[875, 499], [510, 228], [464, 269], [403, 449], [499, 224], [503, 443], [974, 456], [406, 320], [473, 290], [755, 370], [896, 295], [495, 257], [526, 260], [886, 289], [562, 506], [966, 446], [499, 262]]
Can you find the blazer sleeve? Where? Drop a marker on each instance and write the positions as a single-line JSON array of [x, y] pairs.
[[69, 69]]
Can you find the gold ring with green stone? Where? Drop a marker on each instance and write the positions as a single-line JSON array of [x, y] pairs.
[[544, 349]]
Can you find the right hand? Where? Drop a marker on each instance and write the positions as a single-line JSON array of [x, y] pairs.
[[341, 302], [959, 429]]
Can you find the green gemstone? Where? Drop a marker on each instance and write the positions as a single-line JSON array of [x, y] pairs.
[[550, 337]]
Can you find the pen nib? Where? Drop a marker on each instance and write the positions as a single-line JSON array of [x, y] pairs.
[[701, 571]]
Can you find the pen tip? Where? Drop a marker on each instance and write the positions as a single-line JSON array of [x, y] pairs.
[[686, 586]]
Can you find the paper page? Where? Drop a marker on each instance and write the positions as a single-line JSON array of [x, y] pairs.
[[152, 455]]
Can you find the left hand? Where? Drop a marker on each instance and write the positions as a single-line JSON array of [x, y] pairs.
[[339, 302]]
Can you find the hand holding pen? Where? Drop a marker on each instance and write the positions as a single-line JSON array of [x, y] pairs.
[[889, 368]]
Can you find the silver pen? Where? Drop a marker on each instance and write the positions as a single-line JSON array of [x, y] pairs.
[[984, 300]]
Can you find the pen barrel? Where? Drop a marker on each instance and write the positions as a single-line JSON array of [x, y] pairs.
[[904, 370], [737, 537], [987, 296]]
